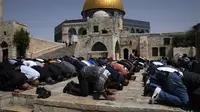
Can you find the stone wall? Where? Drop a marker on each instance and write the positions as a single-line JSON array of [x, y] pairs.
[[131, 43], [7, 31], [85, 42], [157, 41], [190, 51], [84, 45], [40, 47]]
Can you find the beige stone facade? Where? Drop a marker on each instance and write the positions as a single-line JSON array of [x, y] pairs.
[[7, 31], [108, 33], [37, 47]]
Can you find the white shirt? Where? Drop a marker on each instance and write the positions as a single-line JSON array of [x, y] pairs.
[[40, 60], [170, 69], [87, 63], [158, 63], [39, 64], [30, 73], [29, 63]]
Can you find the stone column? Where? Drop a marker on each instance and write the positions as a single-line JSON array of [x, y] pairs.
[[198, 43], [1, 10], [144, 47]]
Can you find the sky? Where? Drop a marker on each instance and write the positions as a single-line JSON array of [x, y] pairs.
[[42, 16]]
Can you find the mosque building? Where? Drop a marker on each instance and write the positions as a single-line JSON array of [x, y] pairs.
[[104, 32]]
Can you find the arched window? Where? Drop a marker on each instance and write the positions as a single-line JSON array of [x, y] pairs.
[[82, 31], [142, 31], [96, 28], [4, 44], [104, 31], [132, 30], [72, 31], [137, 31], [99, 47]]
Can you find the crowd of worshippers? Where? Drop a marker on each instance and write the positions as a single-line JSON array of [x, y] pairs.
[[93, 74], [102, 78], [173, 82]]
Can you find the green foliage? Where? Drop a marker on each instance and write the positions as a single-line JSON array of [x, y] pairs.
[[21, 40], [186, 40]]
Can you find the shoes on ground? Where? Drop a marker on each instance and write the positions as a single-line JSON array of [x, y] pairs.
[[42, 92]]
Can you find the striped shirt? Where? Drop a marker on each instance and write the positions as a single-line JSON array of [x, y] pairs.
[[97, 75]]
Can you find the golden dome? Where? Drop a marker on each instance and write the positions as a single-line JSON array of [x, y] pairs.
[[98, 4]]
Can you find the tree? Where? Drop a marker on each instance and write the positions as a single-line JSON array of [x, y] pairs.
[[21, 40], [185, 40]]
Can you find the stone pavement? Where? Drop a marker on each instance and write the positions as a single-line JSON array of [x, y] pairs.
[[128, 100]]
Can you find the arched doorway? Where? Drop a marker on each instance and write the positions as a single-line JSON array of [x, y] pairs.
[[99, 47], [4, 47], [117, 51], [126, 52], [71, 32], [99, 50]]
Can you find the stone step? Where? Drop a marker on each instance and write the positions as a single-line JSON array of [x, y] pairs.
[[17, 108], [5, 99]]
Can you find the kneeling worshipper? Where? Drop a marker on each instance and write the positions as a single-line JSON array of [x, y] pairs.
[[91, 79], [30, 73], [29, 63], [171, 88], [11, 80]]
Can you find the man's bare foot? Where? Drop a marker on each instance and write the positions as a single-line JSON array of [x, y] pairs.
[[110, 98]]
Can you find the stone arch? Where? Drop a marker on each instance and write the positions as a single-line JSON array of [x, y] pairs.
[[104, 31], [82, 31], [142, 31], [137, 31], [4, 51], [71, 31], [99, 47], [126, 53], [4, 44]]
